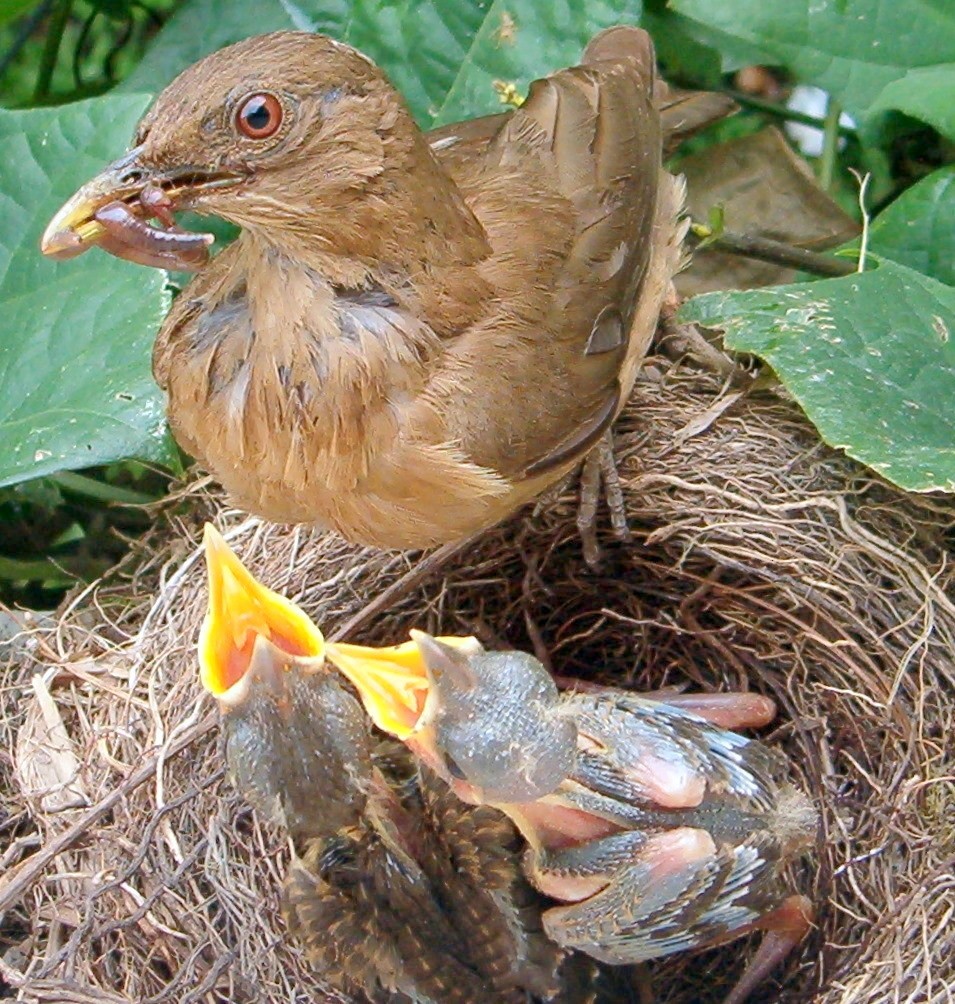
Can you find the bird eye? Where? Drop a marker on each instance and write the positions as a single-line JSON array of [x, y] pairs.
[[259, 116], [453, 769]]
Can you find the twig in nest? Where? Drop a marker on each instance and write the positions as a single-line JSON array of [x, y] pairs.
[[419, 573], [14, 885], [83, 929]]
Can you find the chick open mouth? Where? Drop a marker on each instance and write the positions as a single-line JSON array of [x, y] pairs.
[[241, 610], [391, 681]]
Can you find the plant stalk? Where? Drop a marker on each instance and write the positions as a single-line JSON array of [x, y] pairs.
[[774, 252], [830, 145], [51, 49]]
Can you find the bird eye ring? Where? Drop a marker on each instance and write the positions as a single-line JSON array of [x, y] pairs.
[[259, 116]]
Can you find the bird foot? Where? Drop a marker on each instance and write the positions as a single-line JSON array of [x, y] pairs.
[[549, 496], [785, 927], [734, 710], [600, 468]]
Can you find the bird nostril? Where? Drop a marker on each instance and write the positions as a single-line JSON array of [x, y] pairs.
[[131, 176]]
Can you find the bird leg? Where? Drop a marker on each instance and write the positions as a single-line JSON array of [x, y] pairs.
[[600, 467], [587, 512], [734, 710], [785, 927]]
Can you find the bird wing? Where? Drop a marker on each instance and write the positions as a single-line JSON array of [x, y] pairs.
[[647, 911], [459, 144], [647, 753], [582, 158], [474, 858], [370, 922]]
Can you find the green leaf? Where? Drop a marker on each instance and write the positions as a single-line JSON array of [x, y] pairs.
[[926, 94], [918, 229], [854, 49], [75, 337], [869, 357], [515, 41], [201, 26], [10, 10], [444, 57], [690, 52]]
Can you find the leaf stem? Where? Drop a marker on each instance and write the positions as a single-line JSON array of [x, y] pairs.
[[20, 570], [782, 112], [99, 491], [830, 144], [51, 48], [774, 252]]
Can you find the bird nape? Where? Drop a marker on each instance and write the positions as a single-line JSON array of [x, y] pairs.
[[414, 334], [652, 828]]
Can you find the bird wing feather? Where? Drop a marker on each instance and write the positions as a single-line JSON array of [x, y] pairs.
[[635, 738], [584, 152], [642, 914]]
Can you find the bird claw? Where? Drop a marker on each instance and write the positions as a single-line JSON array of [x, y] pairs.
[[600, 468], [785, 927]]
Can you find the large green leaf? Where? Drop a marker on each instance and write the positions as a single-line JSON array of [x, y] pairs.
[[443, 56], [854, 49], [918, 229], [926, 93], [202, 26], [75, 385], [869, 357], [12, 9]]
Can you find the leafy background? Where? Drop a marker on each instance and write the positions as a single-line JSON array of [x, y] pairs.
[[82, 438]]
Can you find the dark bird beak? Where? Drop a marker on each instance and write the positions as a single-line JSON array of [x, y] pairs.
[[112, 210]]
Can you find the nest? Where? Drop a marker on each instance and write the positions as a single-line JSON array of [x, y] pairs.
[[760, 560]]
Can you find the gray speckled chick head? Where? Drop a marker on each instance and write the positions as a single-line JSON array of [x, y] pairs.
[[298, 743], [493, 719]]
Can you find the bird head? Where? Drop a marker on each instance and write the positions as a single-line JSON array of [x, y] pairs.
[[270, 133], [249, 631], [491, 723], [297, 741]]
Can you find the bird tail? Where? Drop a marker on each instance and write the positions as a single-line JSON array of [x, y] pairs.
[[685, 113], [682, 113], [794, 819]]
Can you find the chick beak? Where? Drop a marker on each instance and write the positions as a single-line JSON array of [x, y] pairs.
[[110, 210], [394, 682], [249, 630], [390, 681], [247, 626]]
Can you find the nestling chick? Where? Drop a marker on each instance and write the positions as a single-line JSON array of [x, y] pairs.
[[657, 829], [409, 339], [398, 892]]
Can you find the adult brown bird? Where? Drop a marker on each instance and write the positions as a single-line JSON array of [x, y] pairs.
[[398, 892], [413, 334]]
